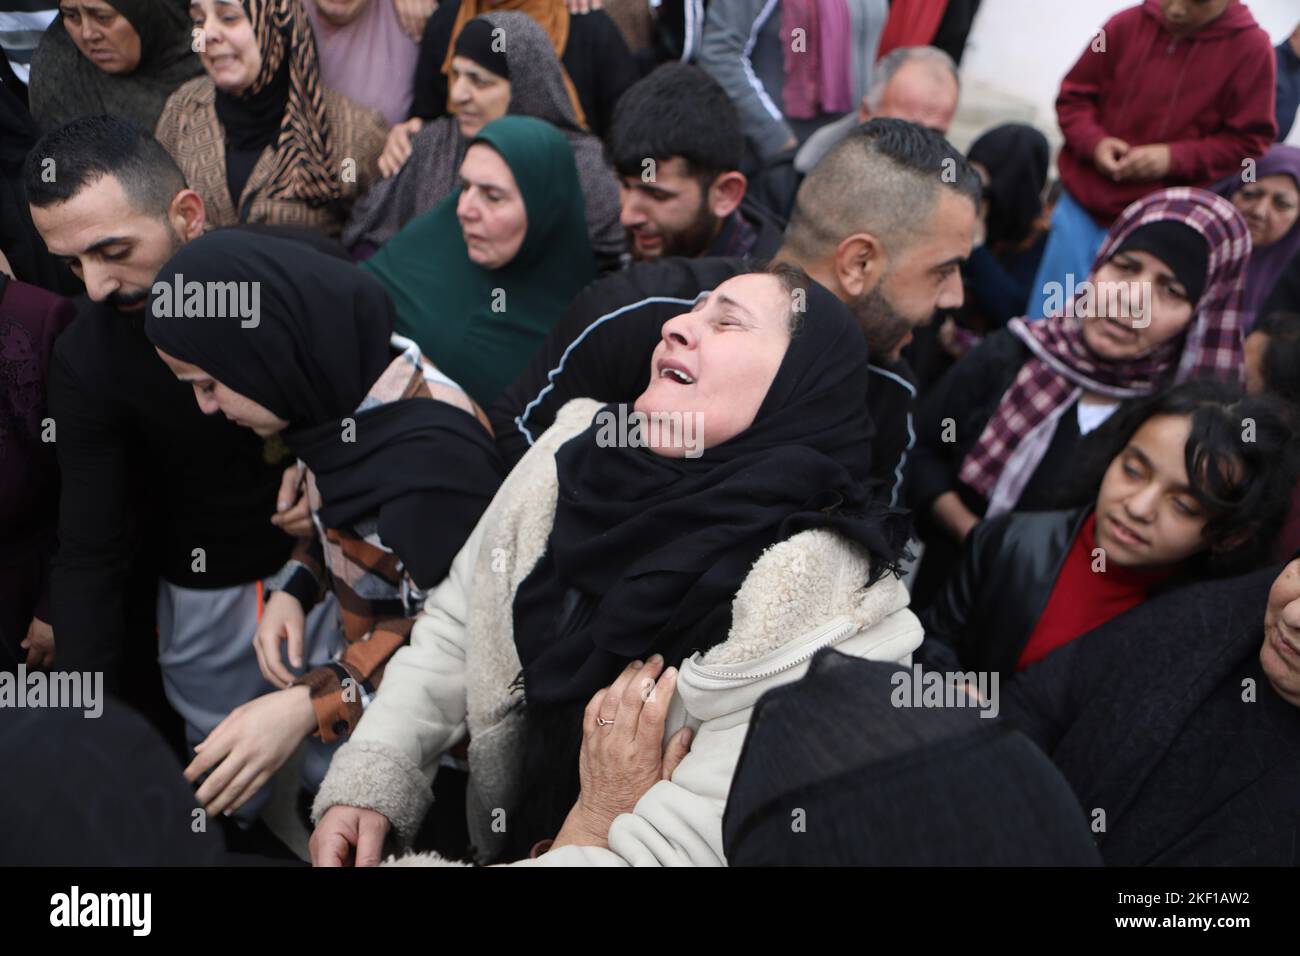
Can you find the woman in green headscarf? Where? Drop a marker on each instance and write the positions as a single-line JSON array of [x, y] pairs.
[[480, 279]]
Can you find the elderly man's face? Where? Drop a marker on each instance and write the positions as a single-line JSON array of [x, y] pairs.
[[920, 94], [1280, 654]]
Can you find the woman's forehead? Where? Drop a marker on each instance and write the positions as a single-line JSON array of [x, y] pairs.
[[752, 290]]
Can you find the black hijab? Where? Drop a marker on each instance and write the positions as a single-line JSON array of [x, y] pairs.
[[647, 552], [883, 785], [251, 123], [19, 240], [322, 339], [1016, 157]]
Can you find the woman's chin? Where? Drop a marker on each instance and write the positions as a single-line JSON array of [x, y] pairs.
[[656, 400]]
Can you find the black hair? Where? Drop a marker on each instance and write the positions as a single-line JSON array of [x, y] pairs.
[[1241, 465], [922, 151], [884, 177], [678, 110], [71, 157], [1280, 365]]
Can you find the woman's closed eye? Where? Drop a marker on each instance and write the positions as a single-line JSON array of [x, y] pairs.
[[1174, 290]]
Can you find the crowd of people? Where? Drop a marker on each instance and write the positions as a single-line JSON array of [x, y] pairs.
[[548, 433]]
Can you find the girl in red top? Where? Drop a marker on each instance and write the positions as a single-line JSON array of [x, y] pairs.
[[1190, 483]]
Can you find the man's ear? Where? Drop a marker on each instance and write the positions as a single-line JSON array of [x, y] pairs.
[[860, 264], [864, 111], [726, 193], [187, 214]]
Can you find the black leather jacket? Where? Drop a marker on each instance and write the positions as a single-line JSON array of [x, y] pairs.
[[984, 616]]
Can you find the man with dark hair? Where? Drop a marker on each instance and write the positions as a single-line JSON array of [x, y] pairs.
[[156, 496], [884, 222], [676, 145]]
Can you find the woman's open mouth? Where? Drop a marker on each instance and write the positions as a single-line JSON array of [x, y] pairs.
[[675, 372]]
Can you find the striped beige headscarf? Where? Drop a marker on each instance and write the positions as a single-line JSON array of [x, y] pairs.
[[305, 167]]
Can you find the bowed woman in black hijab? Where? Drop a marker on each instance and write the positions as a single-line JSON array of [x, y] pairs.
[[397, 464], [645, 554]]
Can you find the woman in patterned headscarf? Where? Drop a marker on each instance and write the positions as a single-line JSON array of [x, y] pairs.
[[597, 65], [1161, 305], [520, 76], [124, 57], [259, 137]]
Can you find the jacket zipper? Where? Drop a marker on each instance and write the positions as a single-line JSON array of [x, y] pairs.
[[823, 636]]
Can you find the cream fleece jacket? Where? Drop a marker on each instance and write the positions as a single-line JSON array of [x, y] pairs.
[[802, 594]]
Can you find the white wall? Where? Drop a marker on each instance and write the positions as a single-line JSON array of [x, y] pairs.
[[1019, 50]]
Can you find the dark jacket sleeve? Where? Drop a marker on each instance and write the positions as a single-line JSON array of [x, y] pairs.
[[951, 623], [966, 394], [1044, 700], [59, 316], [93, 563], [891, 399], [581, 357]]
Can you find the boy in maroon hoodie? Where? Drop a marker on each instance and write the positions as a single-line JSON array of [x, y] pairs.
[[1168, 93]]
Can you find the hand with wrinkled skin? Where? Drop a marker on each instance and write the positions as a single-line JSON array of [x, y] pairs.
[[619, 762]]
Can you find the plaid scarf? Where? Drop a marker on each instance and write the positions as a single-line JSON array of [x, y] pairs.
[[305, 166], [1062, 366]]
